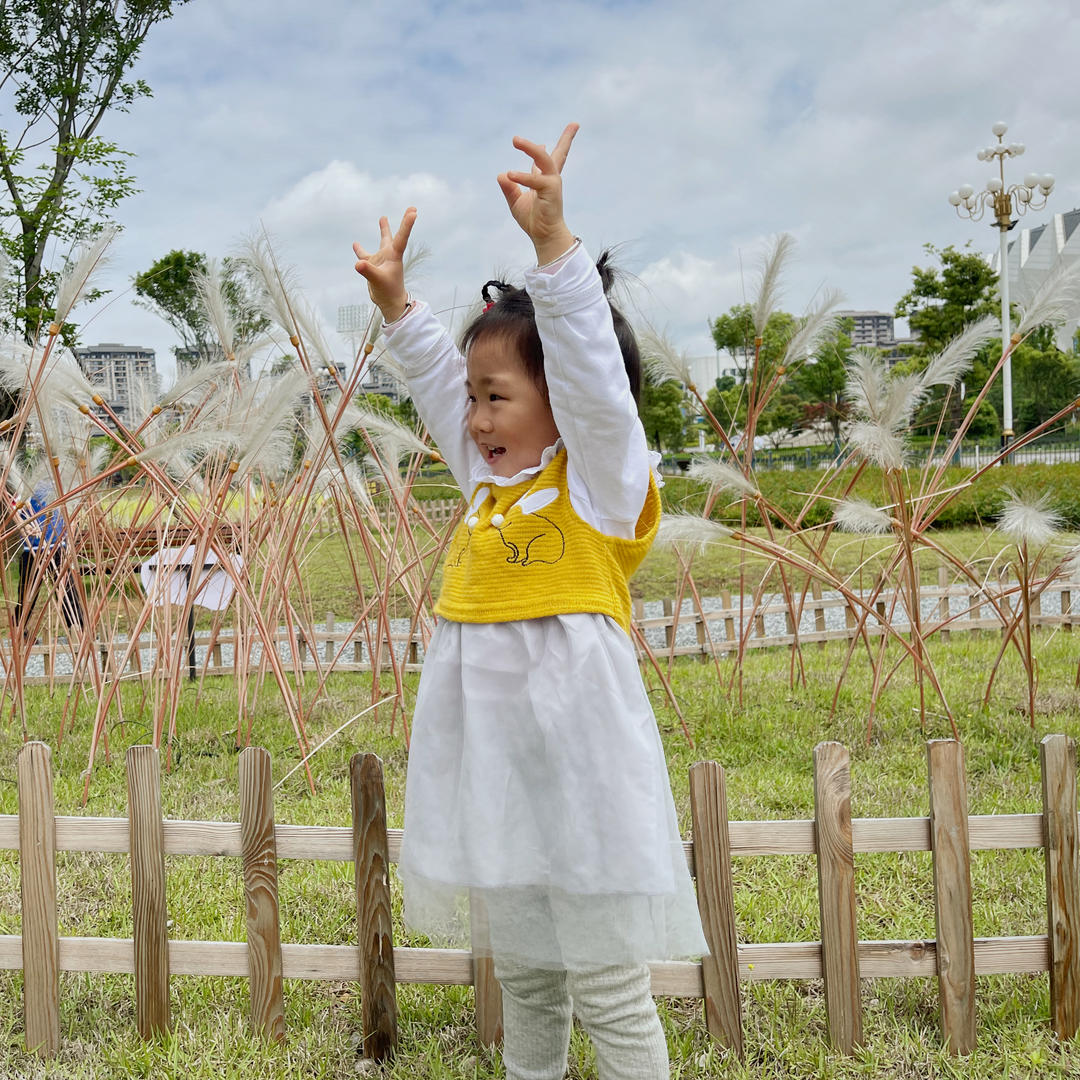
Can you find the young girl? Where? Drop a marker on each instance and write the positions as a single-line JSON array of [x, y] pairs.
[[536, 778]]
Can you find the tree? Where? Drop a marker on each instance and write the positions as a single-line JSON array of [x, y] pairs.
[[734, 333], [169, 290], [64, 65], [821, 382], [662, 415], [942, 301], [1045, 380]]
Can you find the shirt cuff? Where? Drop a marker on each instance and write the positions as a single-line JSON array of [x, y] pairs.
[[556, 264]]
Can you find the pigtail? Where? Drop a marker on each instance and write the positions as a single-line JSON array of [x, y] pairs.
[[628, 346]]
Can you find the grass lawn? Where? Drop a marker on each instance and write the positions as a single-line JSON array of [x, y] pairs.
[[765, 745]]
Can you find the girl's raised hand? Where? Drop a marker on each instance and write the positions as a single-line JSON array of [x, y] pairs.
[[383, 271], [535, 198]]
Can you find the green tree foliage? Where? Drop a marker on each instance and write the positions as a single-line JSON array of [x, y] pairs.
[[662, 415], [1045, 380], [821, 381], [63, 66], [941, 302], [944, 299], [734, 333], [168, 289]]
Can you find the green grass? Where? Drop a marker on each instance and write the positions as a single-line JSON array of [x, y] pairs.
[[765, 745]]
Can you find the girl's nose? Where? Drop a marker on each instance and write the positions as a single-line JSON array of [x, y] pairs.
[[480, 420]]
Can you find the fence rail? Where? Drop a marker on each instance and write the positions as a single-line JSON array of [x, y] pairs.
[[699, 631], [955, 957]]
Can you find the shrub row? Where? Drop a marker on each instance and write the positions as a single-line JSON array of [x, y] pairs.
[[978, 504]]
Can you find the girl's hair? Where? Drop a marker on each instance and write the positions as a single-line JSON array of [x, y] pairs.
[[509, 314]]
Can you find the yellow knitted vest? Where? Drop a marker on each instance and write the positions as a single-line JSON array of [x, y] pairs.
[[521, 552]]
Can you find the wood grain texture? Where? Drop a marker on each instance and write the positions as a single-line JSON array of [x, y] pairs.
[[952, 893], [486, 988], [37, 877], [716, 902], [261, 893], [1057, 754], [794, 836], [371, 859], [836, 895], [150, 932]]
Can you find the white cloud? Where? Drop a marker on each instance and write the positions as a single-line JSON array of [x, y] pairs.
[[705, 128]]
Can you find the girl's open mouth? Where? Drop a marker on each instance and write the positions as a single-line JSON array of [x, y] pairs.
[[494, 451]]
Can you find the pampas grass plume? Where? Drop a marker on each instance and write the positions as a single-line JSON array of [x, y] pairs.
[[773, 266], [690, 530], [76, 277], [859, 516], [948, 365], [662, 360], [722, 476], [1055, 301], [1029, 519]]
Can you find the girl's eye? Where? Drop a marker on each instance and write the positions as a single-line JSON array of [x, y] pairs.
[[472, 399], [493, 397]]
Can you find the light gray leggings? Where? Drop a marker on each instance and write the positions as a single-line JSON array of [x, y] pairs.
[[614, 1005]]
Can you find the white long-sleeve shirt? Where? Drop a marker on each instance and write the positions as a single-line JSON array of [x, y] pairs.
[[608, 457]]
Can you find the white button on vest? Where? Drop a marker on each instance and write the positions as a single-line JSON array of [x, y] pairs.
[[497, 520], [473, 522]]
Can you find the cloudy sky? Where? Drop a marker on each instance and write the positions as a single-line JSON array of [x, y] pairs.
[[707, 127]]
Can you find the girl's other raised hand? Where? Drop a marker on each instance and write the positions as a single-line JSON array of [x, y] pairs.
[[535, 198], [383, 271]]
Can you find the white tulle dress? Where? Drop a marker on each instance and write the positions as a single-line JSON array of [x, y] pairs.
[[536, 775]]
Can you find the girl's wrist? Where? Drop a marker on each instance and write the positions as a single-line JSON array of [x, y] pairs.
[[396, 311], [553, 247]]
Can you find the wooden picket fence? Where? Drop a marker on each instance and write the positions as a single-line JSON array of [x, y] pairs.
[[345, 647], [955, 957]]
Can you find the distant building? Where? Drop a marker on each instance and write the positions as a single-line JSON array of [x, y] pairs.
[[120, 374], [1033, 253], [353, 323], [873, 328]]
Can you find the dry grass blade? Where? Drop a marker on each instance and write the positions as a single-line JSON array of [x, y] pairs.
[[199, 380]]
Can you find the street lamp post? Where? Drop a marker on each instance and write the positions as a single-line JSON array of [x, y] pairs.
[[1003, 202]]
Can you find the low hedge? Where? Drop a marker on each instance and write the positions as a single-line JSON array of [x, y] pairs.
[[978, 504]]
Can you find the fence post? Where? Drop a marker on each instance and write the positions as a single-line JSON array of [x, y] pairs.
[[1057, 756], [819, 611], [1066, 610], [669, 625], [836, 894], [716, 902], [148, 891], [729, 619], [37, 879], [375, 934], [329, 646], [487, 992], [259, 849], [952, 893], [943, 600]]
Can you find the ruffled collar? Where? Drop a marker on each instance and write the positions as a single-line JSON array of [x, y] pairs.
[[482, 476]]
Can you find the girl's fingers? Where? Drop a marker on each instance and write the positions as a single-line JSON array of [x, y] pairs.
[[384, 230], [562, 147], [538, 153], [401, 237], [360, 252]]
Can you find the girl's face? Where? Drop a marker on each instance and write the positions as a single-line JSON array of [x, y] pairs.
[[509, 417]]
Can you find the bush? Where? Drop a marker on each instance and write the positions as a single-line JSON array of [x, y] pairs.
[[977, 505]]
